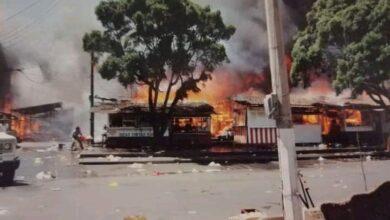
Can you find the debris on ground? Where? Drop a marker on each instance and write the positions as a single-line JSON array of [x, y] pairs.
[[195, 171], [55, 189], [45, 175], [38, 160], [251, 215], [113, 184], [156, 173], [368, 158], [3, 211], [113, 158], [212, 170], [322, 146], [192, 212], [179, 172], [321, 159], [137, 217], [136, 166], [20, 178], [213, 164]]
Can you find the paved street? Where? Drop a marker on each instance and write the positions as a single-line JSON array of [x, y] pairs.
[[165, 191]]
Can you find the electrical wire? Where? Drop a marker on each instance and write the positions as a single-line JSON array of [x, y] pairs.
[[20, 11], [17, 31], [19, 35]]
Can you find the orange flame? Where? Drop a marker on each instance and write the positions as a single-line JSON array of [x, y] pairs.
[[216, 92], [310, 119], [353, 117]]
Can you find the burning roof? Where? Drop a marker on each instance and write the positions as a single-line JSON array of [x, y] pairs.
[[182, 109], [33, 110], [297, 100]]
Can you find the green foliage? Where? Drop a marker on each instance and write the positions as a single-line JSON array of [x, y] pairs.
[[350, 40], [172, 43]]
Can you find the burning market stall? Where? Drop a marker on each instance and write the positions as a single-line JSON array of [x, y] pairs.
[[130, 125], [346, 122], [253, 127], [43, 122]]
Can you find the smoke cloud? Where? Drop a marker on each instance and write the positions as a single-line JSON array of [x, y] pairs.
[[46, 41]]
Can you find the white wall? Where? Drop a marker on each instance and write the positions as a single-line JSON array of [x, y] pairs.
[[305, 134], [257, 119]]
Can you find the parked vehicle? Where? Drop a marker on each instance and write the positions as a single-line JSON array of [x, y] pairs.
[[9, 162]]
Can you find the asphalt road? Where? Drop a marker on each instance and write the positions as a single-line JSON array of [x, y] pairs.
[[166, 191]]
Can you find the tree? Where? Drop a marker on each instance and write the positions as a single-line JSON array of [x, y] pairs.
[[170, 46], [350, 39]]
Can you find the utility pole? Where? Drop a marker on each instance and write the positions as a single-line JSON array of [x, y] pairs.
[[91, 98], [286, 138]]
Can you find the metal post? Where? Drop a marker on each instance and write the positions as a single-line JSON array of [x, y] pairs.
[[286, 138], [92, 115]]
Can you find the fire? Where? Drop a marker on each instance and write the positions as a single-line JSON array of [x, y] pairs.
[[326, 124], [7, 104], [22, 125], [353, 117], [216, 92], [310, 119]]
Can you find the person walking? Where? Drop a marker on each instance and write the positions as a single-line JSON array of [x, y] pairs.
[[77, 136]]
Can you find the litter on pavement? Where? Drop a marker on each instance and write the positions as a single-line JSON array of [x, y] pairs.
[[113, 158], [44, 175], [213, 164], [3, 211], [136, 166], [38, 160]]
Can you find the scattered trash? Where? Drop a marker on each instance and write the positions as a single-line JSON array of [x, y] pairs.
[[150, 156], [149, 163], [160, 152], [322, 146], [249, 215], [368, 158], [38, 160], [113, 158], [136, 166], [192, 212], [195, 171], [45, 175], [113, 184], [254, 155], [117, 210], [212, 170], [179, 172], [3, 211], [213, 164], [137, 217], [19, 178], [55, 189], [156, 173], [321, 159]]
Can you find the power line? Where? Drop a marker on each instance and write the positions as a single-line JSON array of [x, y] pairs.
[[21, 11], [16, 37], [17, 31]]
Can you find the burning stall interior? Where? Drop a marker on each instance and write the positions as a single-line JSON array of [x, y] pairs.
[[130, 125], [315, 121], [39, 123]]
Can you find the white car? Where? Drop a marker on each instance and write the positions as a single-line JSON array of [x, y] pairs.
[[9, 162]]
